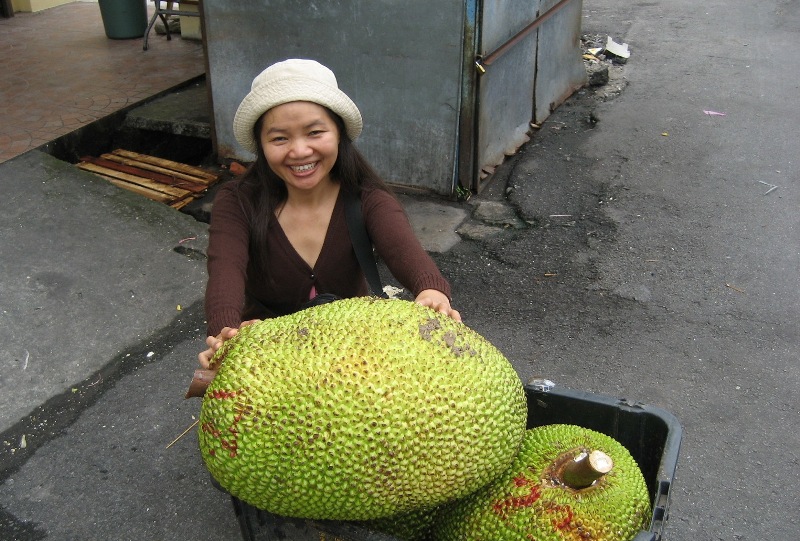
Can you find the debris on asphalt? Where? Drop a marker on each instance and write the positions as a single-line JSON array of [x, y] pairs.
[[173, 442], [619, 50], [597, 75], [772, 187], [393, 292], [603, 69], [714, 113]]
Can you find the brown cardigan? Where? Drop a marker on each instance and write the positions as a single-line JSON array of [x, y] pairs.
[[234, 281]]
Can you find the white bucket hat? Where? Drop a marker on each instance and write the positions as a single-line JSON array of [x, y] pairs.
[[293, 80]]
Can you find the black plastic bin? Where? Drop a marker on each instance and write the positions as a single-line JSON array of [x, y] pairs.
[[124, 19], [652, 435]]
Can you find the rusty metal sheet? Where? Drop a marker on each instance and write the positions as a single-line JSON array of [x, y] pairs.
[[560, 69], [505, 91]]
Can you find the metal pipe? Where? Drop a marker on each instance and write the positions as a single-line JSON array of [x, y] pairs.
[[487, 60]]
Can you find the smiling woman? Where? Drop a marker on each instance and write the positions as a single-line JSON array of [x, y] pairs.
[[279, 234]]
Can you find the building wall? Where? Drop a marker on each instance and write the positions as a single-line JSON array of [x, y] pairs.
[[39, 5]]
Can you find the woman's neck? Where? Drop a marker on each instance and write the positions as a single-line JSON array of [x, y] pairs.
[[320, 196]]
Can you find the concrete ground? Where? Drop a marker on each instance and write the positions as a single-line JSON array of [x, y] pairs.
[[647, 256]]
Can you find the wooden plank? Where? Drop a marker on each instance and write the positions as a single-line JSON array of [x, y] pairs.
[[178, 205], [192, 186], [168, 164], [175, 193], [157, 169], [148, 193]]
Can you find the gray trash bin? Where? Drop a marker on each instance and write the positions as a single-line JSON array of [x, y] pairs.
[[124, 19]]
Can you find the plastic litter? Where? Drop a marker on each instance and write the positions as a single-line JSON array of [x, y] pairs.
[[617, 49], [541, 385]]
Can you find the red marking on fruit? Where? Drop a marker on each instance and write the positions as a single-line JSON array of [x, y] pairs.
[[566, 522], [510, 503]]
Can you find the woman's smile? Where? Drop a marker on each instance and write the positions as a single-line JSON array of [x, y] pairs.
[[301, 143], [300, 169]]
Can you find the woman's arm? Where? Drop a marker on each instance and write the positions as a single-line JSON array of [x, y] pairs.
[[228, 256], [394, 238]]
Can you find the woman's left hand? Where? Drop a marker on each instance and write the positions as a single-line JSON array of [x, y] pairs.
[[215, 342], [437, 300]]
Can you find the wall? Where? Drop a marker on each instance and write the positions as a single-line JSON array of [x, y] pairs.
[[400, 62], [39, 5]]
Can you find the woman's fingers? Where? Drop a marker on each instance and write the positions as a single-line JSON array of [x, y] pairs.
[[438, 301], [215, 342]]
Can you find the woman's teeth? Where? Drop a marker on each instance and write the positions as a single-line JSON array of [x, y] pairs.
[[303, 168]]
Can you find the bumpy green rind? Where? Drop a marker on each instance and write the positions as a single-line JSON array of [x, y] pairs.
[[360, 409], [525, 504]]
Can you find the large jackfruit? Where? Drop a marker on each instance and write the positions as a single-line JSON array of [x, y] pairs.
[[548, 495], [359, 409]]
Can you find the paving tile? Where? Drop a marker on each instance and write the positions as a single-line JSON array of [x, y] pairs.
[[60, 72]]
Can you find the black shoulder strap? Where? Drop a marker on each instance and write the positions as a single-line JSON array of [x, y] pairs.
[[361, 243]]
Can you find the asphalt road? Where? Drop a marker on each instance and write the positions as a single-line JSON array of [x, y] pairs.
[[672, 281], [676, 278]]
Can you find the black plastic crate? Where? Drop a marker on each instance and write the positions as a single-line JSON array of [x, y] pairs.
[[652, 435]]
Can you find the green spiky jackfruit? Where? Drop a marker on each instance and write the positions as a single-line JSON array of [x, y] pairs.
[[359, 409], [531, 501]]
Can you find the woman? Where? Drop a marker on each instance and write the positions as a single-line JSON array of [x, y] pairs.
[[278, 236]]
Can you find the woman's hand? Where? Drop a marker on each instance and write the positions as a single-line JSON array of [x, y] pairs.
[[215, 342], [438, 301]]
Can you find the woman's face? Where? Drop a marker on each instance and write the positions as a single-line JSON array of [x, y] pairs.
[[301, 144]]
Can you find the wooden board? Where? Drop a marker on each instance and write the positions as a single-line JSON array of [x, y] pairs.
[[167, 179], [175, 167], [173, 183], [150, 194]]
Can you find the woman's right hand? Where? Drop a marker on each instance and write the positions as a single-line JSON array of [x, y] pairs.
[[215, 342]]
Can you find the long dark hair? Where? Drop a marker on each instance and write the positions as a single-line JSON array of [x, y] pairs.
[[262, 191]]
